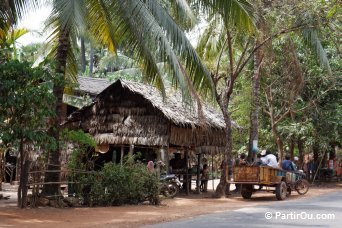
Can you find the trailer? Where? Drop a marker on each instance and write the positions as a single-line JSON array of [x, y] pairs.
[[265, 178]]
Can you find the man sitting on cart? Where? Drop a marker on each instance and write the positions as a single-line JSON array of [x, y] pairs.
[[269, 159], [287, 164]]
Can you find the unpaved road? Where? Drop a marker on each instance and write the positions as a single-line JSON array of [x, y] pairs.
[[139, 215]]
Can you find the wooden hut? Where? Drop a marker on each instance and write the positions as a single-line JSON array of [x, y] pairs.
[[132, 113], [128, 116]]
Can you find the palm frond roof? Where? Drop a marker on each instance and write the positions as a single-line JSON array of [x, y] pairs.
[[92, 86], [172, 106]]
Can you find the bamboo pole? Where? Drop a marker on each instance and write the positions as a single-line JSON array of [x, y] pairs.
[[212, 170]]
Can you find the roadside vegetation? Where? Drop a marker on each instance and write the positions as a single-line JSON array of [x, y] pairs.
[[274, 67]]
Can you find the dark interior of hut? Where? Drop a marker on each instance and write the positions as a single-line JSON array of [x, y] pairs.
[[141, 154]]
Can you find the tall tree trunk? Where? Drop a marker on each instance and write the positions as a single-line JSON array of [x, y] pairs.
[[316, 152], [24, 169], [2, 167], [91, 62], [83, 58], [291, 149], [21, 162], [54, 154], [300, 152], [223, 187], [279, 143], [254, 115]]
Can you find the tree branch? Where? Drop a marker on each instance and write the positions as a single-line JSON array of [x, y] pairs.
[[243, 54], [219, 59], [284, 31], [282, 117], [230, 50]]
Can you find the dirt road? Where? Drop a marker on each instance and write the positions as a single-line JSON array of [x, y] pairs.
[[137, 215]]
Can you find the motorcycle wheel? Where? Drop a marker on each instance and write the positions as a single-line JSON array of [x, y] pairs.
[[172, 190], [302, 186]]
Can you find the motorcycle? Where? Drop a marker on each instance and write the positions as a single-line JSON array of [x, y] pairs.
[[169, 185]]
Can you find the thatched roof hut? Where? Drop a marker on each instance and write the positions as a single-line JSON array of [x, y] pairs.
[[91, 86], [132, 113]]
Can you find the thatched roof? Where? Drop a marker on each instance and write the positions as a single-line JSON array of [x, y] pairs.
[[129, 112], [172, 106], [92, 86]]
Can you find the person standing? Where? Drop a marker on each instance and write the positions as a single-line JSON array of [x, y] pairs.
[[150, 166], [204, 178]]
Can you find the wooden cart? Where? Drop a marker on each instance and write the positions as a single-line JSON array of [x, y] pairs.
[[269, 179]]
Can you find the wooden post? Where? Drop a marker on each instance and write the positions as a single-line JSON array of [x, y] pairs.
[[114, 157], [122, 154], [158, 159], [131, 150], [212, 170], [187, 173], [167, 160], [198, 173]]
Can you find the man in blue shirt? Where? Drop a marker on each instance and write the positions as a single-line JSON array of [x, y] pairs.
[[287, 164]]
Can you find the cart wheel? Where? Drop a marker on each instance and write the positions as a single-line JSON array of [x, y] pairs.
[[302, 186], [246, 191], [281, 191]]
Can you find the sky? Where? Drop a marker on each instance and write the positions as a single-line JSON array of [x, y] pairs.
[[34, 22]]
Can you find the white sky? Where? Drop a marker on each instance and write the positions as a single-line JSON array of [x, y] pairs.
[[34, 21]]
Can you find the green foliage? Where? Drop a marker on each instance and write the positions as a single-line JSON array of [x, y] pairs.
[[78, 137], [80, 158], [29, 52], [25, 99], [117, 185]]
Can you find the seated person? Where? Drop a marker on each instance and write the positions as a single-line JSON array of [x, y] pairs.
[[258, 160], [287, 164], [242, 160], [269, 159]]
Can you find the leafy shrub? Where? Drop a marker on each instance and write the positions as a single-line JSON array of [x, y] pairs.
[[120, 184]]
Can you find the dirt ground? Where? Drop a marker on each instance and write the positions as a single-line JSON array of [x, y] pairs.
[[138, 215]]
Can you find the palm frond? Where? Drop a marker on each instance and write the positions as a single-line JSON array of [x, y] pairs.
[[100, 24], [211, 39], [66, 17], [237, 13], [15, 34], [197, 72], [13, 10], [312, 40], [182, 13]]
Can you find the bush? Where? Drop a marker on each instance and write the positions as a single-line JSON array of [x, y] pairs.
[[117, 185]]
